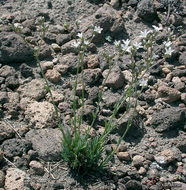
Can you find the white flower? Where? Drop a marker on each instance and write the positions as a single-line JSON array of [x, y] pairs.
[[145, 33], [143, 82], [86, 42], [16, 25], [117, 43], [168, 51], [167, 44], [80, 35], [76, 44], [137, 45], [156, 28], [126, 48], [126, 42], [98, 29]]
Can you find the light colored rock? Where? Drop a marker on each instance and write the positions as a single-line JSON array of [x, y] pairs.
[[56, 47], [166, 70], [92, 61], [127, 75], [14, 179], [138, 160], [168, 94], [40, 115], [36, 167], [183, 97], [142, 171], [62, 69], [56, 96], [24, 102], [53, 75], [114, 3], [123, 156], [34, 89], [178, 84], [47, 65]]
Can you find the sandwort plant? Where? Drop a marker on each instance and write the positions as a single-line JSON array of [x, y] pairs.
[[81, 150]]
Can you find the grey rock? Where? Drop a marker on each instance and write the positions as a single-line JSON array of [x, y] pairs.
[[15, 147], [5, 131], [14, 49], [182, 58], [138, 160], [36, 168], [34, 89], [133, 185], [168, 118], [26, 71], [12, 82], [2, 179], [182, 146], [146, 10], [7, 71], [46, 142], [45, 52], [115, 79], [3, 97], [92, 76], [133, 3], [179, 73], [62, 39]]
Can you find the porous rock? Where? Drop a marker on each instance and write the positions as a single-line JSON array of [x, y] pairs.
[[46, 142], [40, 115], [14, 49]]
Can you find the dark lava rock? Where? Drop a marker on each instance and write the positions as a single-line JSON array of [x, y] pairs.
[[179, 73], [182, 146], [15, 147], [3, 97], [46, 142], [168, 118], [133, 185], [14, 49], [146, 10], [7, 71], [5, 131], [12, 82], [92, 76], [26, 71]]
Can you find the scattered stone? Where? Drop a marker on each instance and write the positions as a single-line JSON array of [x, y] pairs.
[[92, 61], [47, 65], [166, 70], [142, 171], [146, 10], [168, 94], [26, 71], [3, 97], [46, 142], [15, 147], [183, 97], [7, 71], [116, 78], [53, 75], [38, 91], [138, 160], [2, 179], [14, 179], [114, 3], [182, 58], [57, 97], [62, 69], [1, 155], [14, 49], [168, 118], [153, 173], [127, 76], [124, 156], [40, 115], [56, 47], [179, 73], [5, 131], [133, 185], [45, 52], [178, 84], [36, 168], [182, 146], [61, 39], [92, 76]]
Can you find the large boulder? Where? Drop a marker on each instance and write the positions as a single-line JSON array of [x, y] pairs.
[[14, 49]]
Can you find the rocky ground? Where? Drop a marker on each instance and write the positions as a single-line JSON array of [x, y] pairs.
[[153, 154]]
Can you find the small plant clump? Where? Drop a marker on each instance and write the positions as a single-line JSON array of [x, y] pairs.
[[82, 151]]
